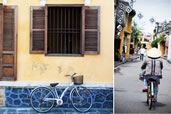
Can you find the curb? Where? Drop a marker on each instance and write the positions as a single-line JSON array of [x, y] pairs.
[[117, 68], [55, 110]]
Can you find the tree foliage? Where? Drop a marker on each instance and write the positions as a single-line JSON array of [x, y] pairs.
[[155, 42], [154, 31], [136, 32]]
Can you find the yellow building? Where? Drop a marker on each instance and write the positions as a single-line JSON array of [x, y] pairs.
[[43, 40], [125, 35]]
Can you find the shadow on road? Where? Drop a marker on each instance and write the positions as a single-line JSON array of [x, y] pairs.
[[159, 104], [120, 90]]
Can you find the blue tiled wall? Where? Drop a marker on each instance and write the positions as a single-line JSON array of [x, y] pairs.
[[19, 97]]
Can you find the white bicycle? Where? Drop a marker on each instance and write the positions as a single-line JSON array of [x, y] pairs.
[[42, 99]]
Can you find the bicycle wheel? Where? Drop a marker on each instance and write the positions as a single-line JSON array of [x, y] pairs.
[[147, 97], [81, 99], [38, 102], [150, 95]]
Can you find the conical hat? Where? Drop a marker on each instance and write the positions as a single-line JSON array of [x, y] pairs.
[[154, 53]]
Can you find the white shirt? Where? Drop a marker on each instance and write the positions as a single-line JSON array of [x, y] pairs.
[[143, 51]]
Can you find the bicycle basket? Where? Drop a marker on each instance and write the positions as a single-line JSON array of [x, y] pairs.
[[78, 80]]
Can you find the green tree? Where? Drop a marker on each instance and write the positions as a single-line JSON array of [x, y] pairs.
[[155, 42], [136, 32], [154, 31]]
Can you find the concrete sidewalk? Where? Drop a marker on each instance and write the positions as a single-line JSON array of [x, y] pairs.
[[4, 110], [165, 58]]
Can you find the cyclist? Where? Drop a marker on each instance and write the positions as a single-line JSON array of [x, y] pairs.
[[153, 68]]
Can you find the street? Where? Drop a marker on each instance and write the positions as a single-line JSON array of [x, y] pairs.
[[129, 97]]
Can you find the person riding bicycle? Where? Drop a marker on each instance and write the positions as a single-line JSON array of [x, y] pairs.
[[153, 66]]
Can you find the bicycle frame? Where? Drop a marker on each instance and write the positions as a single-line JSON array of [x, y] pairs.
[[63, 93], [151, 82], [56, 93], [152, 88]]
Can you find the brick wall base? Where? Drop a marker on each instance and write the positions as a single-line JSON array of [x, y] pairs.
[[19, 97]]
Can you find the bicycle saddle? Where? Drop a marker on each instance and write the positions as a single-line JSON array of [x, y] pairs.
[[151, 79], [54, 84]]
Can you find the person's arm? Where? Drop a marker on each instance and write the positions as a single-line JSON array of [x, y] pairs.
[[144, 65], [161, 64]]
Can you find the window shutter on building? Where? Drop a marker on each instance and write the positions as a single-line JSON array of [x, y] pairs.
[[92, 30], [37, 29], [9, 29], [1, 37], [8, 39]]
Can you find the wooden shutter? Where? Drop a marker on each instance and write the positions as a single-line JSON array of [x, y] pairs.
[[9, 40], [37, 29], [91, 30], [1, 37]]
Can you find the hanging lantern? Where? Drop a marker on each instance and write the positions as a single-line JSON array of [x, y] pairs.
[[140, 16], [120, 21], [4, 2], [128, 9], [42, 2], [121, 13], [119, 27], [87, 2], [152, 20], [121, 6]]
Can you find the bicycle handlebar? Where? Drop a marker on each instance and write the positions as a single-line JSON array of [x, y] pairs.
[[71, 75]]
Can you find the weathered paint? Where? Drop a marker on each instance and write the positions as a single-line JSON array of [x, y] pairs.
[[129, 30], [38, 67]]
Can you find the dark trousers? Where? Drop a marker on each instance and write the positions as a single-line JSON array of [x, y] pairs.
[[142, 57]]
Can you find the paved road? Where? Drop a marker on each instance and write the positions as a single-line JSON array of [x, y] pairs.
[[53, 111], [128, 95]]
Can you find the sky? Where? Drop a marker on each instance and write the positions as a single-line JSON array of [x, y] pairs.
[[160, 10]]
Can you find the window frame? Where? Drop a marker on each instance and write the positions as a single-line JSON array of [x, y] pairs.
[[89, 42], [81, 33]]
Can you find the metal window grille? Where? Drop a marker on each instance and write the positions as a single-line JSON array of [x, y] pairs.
[[64, 30]]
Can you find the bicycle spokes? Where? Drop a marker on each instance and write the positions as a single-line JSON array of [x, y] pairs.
[[81, 99], [39, 99]]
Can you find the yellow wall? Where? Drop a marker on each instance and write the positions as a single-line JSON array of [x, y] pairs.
[[121, 43], [128, 48], [127, 29], [162, 49], [38, 67], [148, 46]]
